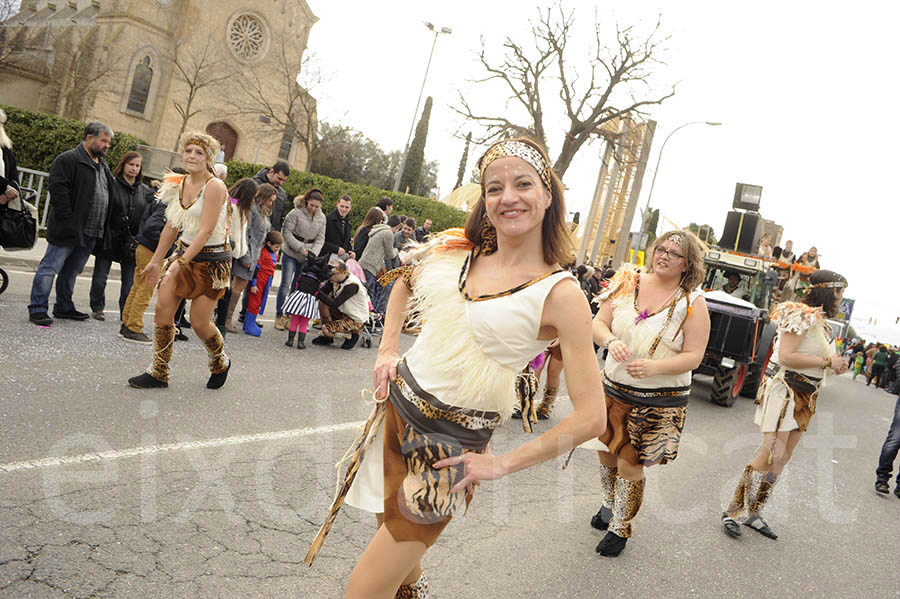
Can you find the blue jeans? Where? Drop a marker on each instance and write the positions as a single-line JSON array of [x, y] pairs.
[[376, 293], [889, 449], [289, 269], [102, 265], [64, 263]]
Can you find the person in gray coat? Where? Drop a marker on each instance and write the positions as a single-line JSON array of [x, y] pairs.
[[304, 234], [242, 268], [378, 255]]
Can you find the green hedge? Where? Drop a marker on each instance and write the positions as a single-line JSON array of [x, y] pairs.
[[39, 137], [364, 197]]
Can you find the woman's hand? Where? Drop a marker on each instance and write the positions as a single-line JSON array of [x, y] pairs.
[[640, 369], [151, 272], [385, 371], [838, 364], [477, 467], [619, 351], [254, 290]]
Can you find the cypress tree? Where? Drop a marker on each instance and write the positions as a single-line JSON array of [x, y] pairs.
[[462, 163], [415, 159]]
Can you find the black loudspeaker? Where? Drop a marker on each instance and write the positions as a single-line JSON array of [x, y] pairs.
[[743, 229]]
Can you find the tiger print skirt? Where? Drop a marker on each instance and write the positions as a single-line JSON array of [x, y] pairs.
[[652, 432], [420, 430]]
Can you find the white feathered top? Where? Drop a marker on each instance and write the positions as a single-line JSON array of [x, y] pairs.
[[640, 332], [816, 338], [469, 353], [187, 220]]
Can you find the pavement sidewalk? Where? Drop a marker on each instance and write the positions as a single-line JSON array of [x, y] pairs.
[[29, 260]]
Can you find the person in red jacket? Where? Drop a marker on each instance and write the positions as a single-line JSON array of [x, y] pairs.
[[262, 280]]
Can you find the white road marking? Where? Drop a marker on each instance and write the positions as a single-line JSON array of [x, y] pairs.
[[185, 446]]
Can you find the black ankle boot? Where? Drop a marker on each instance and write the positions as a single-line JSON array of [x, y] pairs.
[[323, 340], [301, 337], [601, 519], [147, 381], [611, 545], [290, 341], [351, 342], [216, 380]]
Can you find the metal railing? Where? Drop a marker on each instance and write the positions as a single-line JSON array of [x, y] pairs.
[[27, 178]]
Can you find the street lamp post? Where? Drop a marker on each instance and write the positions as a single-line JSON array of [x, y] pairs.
[[412, 126], [645, 216]]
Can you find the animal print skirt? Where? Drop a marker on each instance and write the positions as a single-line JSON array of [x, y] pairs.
[[652, 432], [419, 430]]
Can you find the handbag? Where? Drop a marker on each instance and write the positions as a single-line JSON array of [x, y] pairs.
[[18, 229]]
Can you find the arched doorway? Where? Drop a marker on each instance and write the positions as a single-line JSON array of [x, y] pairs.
[[226, 135]]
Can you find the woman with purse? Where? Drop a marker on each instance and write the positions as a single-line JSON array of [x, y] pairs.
[[200, 267], [9, 173], [128, 199], [803, 353]]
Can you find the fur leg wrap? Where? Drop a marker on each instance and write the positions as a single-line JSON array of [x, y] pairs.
[[543, 411], [608, 485], [163, 339], [628, 498], [737, 509], [215, 346], [416, 590], [761, 485]]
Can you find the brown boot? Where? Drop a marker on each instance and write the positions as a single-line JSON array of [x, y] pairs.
[[543, 411], [219, 363], [157, 376], [232, 303], [416, 590]]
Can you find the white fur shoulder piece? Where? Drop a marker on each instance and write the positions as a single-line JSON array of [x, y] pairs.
[[483, 383], [797, 317]]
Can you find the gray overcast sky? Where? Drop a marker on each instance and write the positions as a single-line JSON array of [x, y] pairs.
[[806, 91]]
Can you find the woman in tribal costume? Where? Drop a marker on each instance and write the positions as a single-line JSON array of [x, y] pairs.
[[804, 352], [489, 299], [200, 267], [655, 326]]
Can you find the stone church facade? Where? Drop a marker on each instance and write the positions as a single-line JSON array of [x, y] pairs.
[[144, 67]]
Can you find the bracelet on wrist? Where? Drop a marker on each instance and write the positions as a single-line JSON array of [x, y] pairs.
[[608, 342], [827, 363]]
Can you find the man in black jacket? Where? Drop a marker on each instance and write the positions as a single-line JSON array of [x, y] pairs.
[[338, 230], [276, 176], [80, 184]]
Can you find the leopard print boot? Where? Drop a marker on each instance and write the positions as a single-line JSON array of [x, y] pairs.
[[157, 376], [416, 590], [737, 509], [629, 496], [601, 519], [543, 411], [761, 485]]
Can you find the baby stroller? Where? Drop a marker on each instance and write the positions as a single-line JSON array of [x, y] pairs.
[[372, 328]]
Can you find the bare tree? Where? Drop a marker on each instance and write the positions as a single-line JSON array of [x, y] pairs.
[[195, 66], [7, 9], [84, 68], [614, 83], [279, 89]]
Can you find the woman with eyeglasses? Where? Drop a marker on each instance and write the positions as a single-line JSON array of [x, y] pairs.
[[655, 327]]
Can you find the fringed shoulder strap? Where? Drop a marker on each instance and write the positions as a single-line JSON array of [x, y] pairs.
[[796, 317]]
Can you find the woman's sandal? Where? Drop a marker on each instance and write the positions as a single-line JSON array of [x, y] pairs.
[[760, 526], [732, 528]]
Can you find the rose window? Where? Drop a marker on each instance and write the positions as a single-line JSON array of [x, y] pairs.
[[246, 36]]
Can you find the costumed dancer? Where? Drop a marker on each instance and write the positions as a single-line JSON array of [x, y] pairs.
[[490, 299], [261, 281], [551, 359], [786, 400], [343, 306], [302, 305], [655, 326], [200, 267]]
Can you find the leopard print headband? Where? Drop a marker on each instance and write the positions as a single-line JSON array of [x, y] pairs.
[[519, 150]]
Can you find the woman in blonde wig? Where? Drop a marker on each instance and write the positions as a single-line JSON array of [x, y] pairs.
[[489, 298], [200, 267], [655, 326]]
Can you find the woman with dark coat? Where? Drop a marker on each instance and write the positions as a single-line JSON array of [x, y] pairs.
[[9, 174], [128, 199]]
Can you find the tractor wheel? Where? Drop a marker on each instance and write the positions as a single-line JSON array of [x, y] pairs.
[[755, 375], [727, 383]]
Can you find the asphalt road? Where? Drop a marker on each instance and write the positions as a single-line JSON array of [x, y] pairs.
[[187, 492]]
